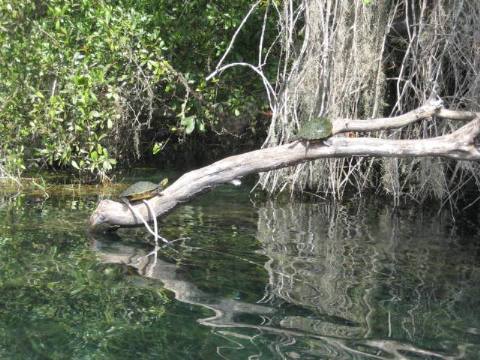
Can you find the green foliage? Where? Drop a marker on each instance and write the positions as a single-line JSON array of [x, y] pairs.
[[73, 66], [82, 79]]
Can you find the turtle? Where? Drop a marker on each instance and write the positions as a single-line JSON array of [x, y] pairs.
[[143, 190], [316, 129]]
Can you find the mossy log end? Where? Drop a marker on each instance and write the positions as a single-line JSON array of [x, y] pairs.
[[461, 144]]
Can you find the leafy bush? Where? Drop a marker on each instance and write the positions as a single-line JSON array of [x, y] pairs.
[[82, 79], [74, 66]]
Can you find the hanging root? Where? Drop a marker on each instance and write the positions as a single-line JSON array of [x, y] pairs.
[[152, 215], [155, 226], [345, 59]]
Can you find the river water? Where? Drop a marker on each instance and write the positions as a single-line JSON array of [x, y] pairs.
[[252, 279]]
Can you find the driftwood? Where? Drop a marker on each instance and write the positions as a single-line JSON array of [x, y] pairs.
[[460, 144]]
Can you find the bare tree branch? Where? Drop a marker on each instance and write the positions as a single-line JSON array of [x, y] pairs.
[[459, 145], [234, 37], [431, 108]]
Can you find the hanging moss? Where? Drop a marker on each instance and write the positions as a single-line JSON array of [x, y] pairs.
[[359, 59]]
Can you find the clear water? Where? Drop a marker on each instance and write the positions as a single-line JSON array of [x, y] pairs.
[[256, 280]]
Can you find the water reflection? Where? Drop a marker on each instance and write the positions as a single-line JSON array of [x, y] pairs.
[[151, 266], [352, 282], [390, 281]]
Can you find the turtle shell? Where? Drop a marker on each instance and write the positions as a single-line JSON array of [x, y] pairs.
[[315, 129], [141, 190]]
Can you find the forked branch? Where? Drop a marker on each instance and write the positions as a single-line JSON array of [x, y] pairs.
[[459, 145]]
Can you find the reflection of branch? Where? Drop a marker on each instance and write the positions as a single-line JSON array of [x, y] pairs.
[[391, 347], [227, 312], [149, 265], [294, 236]]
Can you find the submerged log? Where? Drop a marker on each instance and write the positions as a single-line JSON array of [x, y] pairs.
[[460, 145]]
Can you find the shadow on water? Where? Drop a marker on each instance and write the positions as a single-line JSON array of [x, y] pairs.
[[340, 282], [255, 281]]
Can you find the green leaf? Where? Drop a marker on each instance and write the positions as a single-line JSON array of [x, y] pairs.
[[189, 124], [106, 165], [156, 148], [95, 114], [75, 165]]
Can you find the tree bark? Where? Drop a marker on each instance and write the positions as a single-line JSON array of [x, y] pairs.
[[459, 145]]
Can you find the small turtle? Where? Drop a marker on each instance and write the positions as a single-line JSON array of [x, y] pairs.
[[316, 129], [143, 190]]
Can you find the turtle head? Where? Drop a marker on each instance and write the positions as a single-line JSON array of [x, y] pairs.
[[163, 183]]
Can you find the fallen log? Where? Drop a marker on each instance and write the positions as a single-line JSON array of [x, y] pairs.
[[460, 145]]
